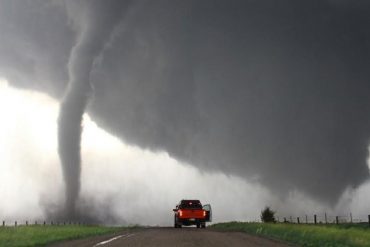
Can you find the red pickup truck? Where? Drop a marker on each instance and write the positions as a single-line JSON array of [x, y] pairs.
[[191, 212]]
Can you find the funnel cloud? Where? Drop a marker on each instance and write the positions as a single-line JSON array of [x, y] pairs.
[[272, 91], [94, 21]]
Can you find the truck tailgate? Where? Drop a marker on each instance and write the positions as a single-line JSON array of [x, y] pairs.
[[192, 213]]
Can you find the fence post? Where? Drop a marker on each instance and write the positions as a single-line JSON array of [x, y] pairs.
[[298, 220], [315, 219], [337, 220], [26, 222], [44, 223], [3, 222], [369, 219], [51, 222], [36, 222], [291, 220], [15, 224], [306, 219], [350, 215], [326, 219], [284, 220]]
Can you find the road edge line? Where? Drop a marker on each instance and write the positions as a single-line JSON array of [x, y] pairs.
[[115, 238]]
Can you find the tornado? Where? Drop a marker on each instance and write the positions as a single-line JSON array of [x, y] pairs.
[[94, 23]]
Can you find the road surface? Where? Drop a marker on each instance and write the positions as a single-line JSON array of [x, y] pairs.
[[163, 237]]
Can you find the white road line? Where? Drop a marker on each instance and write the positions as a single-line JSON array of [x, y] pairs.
[[115, 238]]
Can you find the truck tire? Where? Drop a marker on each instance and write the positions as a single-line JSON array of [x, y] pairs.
[[203, 225], [175, 222], [198, 225]]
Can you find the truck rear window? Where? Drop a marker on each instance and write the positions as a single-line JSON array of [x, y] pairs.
[[190, 204]]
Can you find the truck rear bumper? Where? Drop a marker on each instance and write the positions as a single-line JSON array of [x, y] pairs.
[[190, 221]]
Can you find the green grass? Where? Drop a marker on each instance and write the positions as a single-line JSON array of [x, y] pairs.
[[306, 235], [41, 235]]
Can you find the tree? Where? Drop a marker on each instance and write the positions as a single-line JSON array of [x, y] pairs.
[[267, 215]]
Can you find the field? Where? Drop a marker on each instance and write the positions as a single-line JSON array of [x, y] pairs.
[[306, 235], [41, 235]]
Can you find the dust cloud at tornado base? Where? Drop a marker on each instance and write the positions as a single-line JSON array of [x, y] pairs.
[[274, 92]]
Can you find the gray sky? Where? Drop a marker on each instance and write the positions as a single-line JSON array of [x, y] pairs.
[[273, 92]]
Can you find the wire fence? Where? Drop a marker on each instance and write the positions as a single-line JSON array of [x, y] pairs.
[[41, 223], [324, 219]]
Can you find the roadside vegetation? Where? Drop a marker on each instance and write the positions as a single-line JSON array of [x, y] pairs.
[[305, 235], [268, 216], [39, 235]]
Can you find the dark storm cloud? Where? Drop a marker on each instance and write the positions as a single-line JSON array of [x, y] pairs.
[[274, 90]]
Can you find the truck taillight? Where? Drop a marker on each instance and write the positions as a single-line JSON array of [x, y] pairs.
[[204, 213], [180, 213]]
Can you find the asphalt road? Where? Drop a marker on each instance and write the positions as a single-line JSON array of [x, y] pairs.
[[175, 237]]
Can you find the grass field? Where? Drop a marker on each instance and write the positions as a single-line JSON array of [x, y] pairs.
[[306, 235], [41, 235]]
